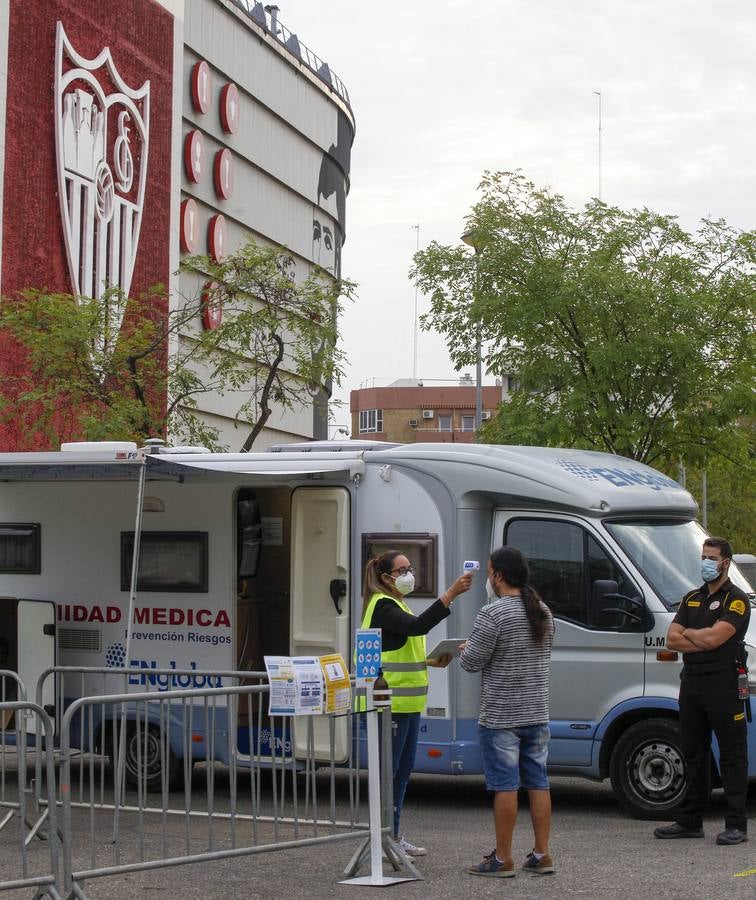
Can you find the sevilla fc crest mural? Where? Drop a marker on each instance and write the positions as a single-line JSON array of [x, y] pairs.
[[101, 137]]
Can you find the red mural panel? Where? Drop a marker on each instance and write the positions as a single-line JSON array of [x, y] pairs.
[[139, 34]]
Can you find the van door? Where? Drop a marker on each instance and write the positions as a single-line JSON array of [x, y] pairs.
[[592, 668], [320, 528], [35, 629]]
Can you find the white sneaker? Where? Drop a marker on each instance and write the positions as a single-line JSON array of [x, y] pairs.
[[409, 848]]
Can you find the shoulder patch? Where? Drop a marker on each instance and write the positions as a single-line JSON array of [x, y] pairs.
[[693, 602], [737, 606]]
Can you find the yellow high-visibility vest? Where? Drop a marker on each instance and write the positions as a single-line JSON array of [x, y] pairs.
[[405, 669]]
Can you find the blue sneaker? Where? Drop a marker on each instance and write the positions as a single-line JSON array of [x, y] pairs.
[[542, 866], [491, 867]]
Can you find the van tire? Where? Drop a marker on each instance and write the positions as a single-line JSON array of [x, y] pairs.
[[647, 769], [150, 754]]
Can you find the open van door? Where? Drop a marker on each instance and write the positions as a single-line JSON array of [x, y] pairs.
[[320, 545], [35, 643]]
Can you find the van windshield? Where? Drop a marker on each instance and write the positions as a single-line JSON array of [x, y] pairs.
[[668, 553]]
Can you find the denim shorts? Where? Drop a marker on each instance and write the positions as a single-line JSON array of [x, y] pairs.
[[515, 757]]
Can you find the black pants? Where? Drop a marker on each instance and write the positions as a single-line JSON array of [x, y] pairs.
[[709, 702]]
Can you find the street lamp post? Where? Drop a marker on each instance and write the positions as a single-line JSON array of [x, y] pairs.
[[469, 238]]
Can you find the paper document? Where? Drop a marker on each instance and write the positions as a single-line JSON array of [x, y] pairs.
[[296, 685]]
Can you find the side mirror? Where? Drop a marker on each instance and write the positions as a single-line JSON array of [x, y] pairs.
[[611, 610]]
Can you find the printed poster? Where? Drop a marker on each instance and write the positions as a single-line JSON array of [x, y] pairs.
[[296, 685], [338, 691]]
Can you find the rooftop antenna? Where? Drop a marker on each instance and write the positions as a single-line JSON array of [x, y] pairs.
[[598, 94], [414, 341]]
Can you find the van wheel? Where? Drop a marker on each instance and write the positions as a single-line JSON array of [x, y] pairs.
[[647, 769], [144, 759]]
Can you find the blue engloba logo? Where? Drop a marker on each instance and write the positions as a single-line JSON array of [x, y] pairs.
[[619, 477], [145, 671]]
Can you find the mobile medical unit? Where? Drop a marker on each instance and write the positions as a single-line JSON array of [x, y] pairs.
[[247, 555]]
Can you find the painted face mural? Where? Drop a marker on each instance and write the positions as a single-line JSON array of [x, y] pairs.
[[324, 242]]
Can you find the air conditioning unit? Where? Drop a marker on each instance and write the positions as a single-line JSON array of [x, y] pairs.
[[485, 416], [427, 413], [413, 423]]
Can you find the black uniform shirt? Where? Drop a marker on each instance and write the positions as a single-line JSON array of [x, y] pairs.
[[699, 609]]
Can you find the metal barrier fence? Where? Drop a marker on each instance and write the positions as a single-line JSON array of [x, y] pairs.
[[73, 682], [127, 759], [136, 748], [26, 863]]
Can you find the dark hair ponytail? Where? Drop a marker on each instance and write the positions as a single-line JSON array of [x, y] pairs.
[[513, 568], [375, 568]]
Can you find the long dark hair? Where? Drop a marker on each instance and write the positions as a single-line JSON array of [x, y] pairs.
[[513, 568]]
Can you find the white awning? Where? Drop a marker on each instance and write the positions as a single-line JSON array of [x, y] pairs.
[[255, 467], [250, 467]]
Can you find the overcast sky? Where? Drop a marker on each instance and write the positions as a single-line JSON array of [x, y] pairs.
[[445, 89]]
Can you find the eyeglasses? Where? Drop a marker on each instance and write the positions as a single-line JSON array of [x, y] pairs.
[[403, 570]]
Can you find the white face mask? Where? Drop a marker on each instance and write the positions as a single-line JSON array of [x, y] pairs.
[[405, 584], [490, 592]]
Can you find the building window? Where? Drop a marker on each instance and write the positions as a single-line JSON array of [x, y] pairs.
[[371, 420], [468, 423], [444, 422]]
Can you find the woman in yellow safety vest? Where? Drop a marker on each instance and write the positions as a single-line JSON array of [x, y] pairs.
[[388, 579]]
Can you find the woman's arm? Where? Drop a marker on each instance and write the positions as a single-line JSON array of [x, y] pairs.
[[389, 616]]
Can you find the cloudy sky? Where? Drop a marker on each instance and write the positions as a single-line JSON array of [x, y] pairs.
[[445, 89]]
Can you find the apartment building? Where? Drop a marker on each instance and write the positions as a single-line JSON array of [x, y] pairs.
[[411, 411]]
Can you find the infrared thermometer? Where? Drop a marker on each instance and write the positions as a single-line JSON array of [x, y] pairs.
[[470, 566]]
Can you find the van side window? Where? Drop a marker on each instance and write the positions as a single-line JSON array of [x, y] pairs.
[[602, 567], [555, 553], [565, 563], [20, 548]]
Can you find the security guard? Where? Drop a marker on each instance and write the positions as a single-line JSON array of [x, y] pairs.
[[709, 629]]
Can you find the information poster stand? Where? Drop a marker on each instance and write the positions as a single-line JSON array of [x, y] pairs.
[[368, 656]]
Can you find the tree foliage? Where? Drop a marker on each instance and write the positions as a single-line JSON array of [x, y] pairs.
[[626, 333], [276, 345]]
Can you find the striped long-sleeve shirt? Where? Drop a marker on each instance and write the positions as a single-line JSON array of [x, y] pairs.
[[515, 669]]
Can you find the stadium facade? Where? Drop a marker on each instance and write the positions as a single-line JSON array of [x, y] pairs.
[[135, 131]]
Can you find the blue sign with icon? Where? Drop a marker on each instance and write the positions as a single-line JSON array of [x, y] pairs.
[[367, 655]]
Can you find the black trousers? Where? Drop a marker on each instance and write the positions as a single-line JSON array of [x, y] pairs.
[[709, 702]]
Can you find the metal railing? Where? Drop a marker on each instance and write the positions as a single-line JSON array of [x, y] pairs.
[[252, 814], [126, 762], [25, 862], [288, 39]]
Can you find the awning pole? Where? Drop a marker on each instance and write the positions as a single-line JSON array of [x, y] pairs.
[[119, 786], [135, 558]]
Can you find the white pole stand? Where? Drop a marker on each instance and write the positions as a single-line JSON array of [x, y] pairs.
[[376, 878]]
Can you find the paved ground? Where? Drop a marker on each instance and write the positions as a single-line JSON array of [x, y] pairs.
[[599, 854]]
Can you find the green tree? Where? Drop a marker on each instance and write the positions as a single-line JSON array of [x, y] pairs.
[[626, 333], [275, 343]]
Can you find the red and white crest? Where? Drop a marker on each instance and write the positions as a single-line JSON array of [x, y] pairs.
[[101, 140]]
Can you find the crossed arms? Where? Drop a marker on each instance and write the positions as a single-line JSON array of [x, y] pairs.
[[693, 640]]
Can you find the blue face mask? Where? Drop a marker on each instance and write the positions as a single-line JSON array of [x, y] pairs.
[[709, 570]]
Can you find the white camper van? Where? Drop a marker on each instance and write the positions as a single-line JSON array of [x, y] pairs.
[[245, 555]]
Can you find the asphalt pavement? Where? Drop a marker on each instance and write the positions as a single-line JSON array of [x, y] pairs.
[[599, 853]]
